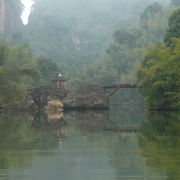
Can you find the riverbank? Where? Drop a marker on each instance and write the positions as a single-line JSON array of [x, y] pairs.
[[76, 103], [18, 106]]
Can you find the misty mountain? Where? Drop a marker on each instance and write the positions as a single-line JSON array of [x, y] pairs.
[[76, 33]]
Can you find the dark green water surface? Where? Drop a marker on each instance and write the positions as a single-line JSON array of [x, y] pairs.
[[90, 146]]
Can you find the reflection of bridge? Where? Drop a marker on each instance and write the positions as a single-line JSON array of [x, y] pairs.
[[118, 86], [126, 129]]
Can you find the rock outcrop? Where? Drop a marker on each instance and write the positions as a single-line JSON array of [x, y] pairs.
[[10, 20]]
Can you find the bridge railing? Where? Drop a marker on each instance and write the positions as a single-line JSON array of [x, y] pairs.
[[120, 85], [41, 89]]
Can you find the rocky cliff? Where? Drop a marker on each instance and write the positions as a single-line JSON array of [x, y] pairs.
[[2, 16], [10, 22]]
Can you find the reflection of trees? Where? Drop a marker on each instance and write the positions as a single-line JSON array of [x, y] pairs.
[[16, 138], [121, 149], [126, 98], [87, 121], [159, 140], [19, 142], [124, 117]]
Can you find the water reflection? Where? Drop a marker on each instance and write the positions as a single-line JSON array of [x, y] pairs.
[[53, 121], [87, 121], [127, 119], [16, 140], [77, 146], [159, 141]]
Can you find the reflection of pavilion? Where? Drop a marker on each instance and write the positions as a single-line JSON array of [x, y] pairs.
[[51, 122], [55, 116]]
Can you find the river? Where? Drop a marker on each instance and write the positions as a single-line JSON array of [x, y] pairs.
[[90, 145]]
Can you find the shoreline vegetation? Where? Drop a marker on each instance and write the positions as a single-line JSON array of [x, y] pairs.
[[159, 72]]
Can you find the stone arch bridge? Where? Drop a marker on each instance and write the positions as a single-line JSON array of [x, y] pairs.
[[43, 94]]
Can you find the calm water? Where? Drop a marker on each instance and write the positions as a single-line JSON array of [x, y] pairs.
[[88, 146]]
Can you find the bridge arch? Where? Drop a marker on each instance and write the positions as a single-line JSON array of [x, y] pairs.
[[42, 95]]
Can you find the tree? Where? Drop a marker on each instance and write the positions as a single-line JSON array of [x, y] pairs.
[[174, 27], [159, 77], [47, 69], [3, 52], [154, 21], [20, 69], [126, 37], [150, 11]]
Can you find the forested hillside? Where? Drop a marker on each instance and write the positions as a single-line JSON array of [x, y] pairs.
[[159, 74], [119, 63], [77, 33], [20, 69], [100, 42]]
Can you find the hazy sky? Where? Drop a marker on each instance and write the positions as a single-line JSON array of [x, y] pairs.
[[27, 10]]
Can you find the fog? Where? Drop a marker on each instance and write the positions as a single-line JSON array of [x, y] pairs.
[[78, 32]]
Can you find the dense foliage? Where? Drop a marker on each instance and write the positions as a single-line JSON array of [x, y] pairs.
[[174, 27], [79, 40], [121, 58], [77, 33], [20, 69], [159, 74]]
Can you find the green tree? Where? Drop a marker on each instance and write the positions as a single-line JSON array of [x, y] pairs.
[[47, 69], [126, 37], [154, 21], [128, 49], [3, 52], [159, 77], [20, 69], [151, 10], [174, 27]]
